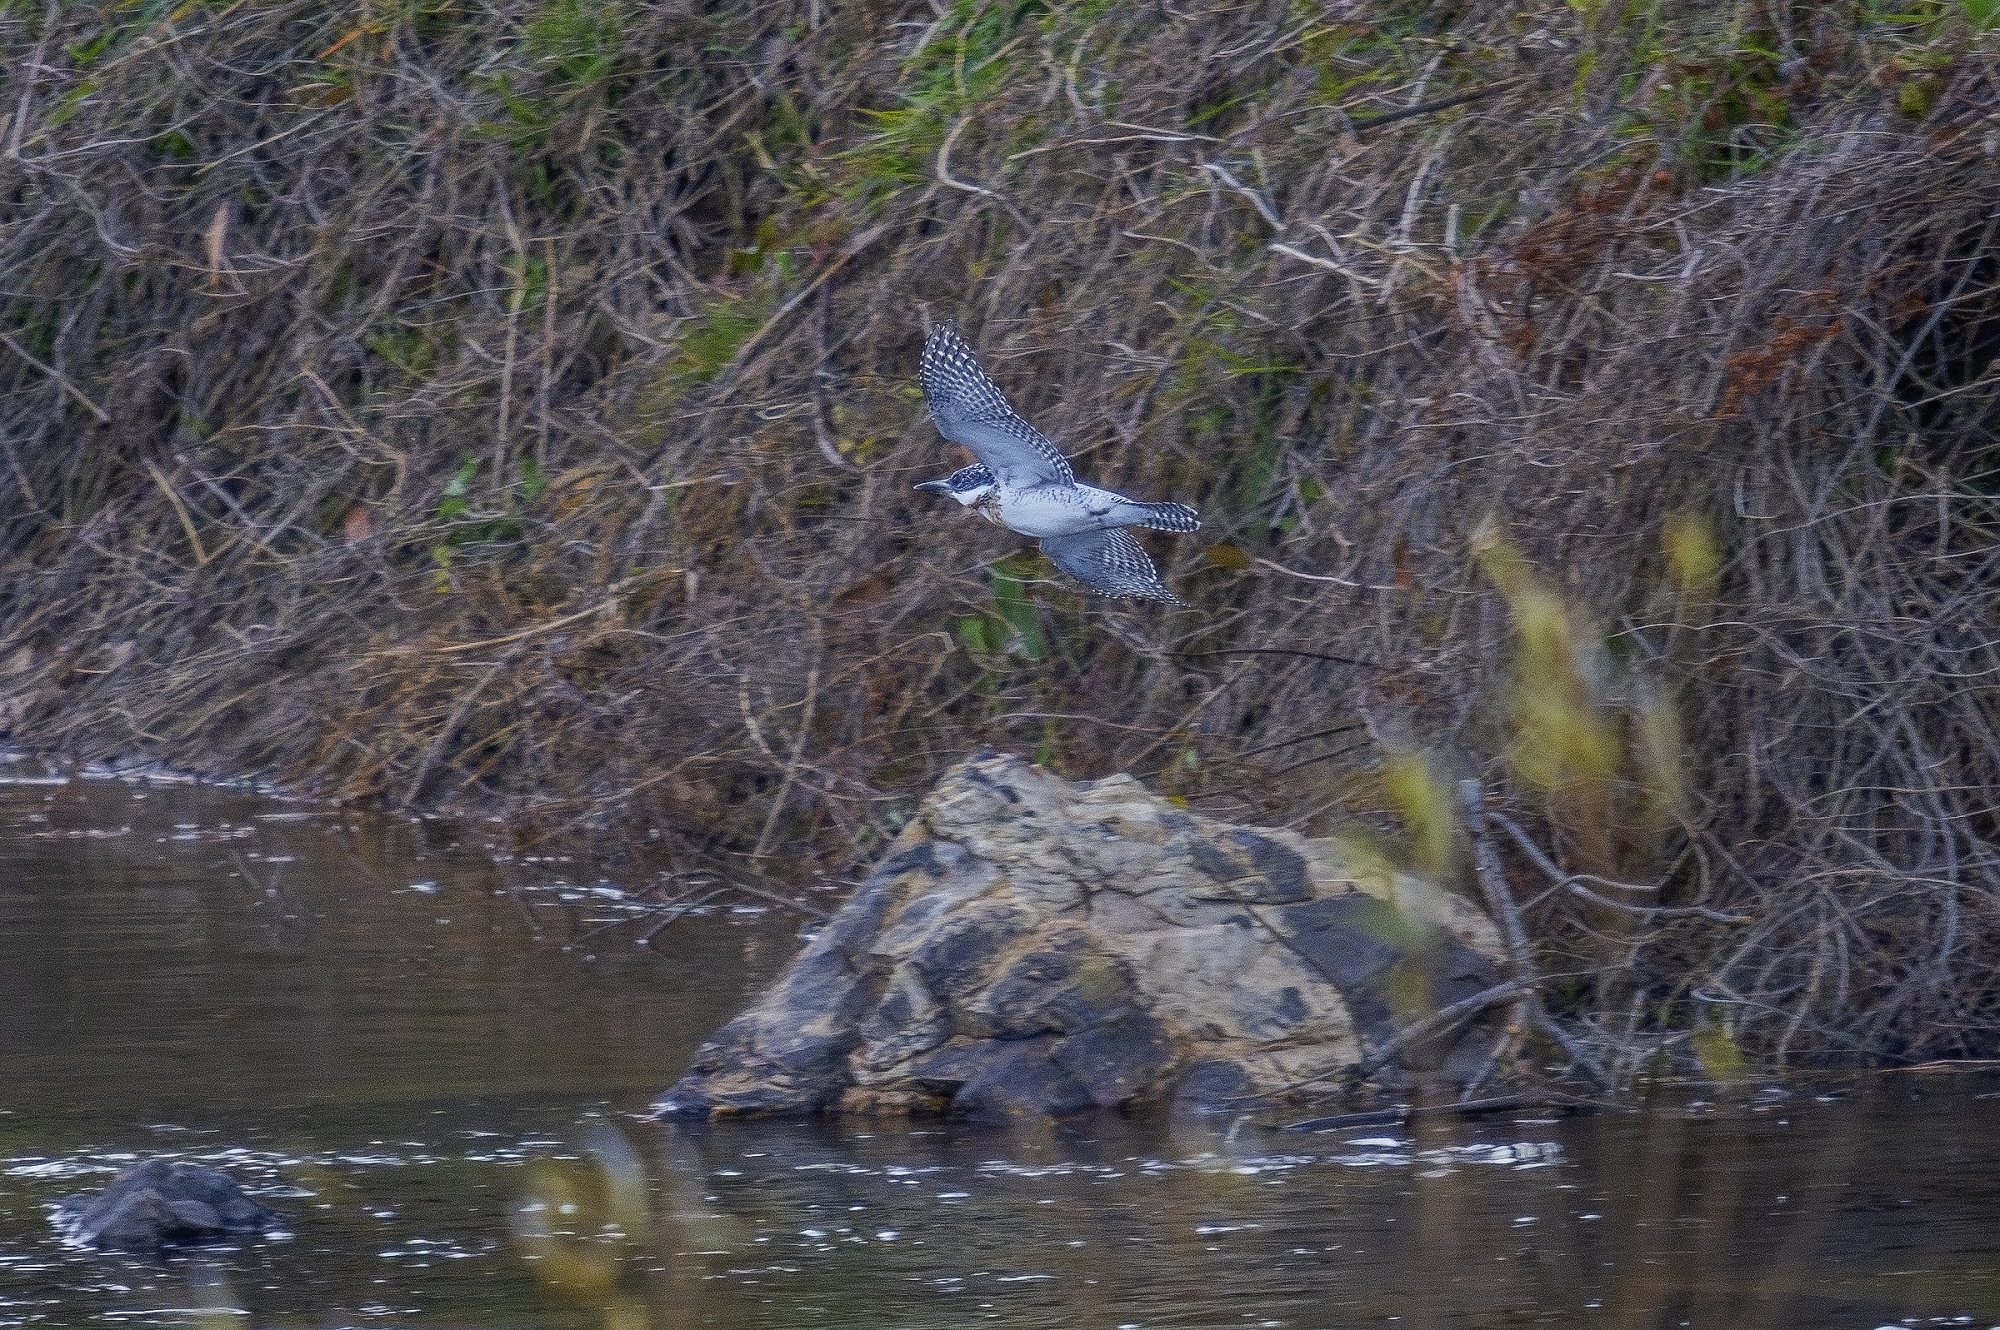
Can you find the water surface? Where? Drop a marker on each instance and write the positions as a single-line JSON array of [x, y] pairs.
[[436, 1064]]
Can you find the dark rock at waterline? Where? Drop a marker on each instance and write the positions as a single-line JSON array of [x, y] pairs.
[[1033, 947], [159, 1204]]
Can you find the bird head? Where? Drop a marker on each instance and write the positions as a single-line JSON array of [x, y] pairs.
[[969, 486]]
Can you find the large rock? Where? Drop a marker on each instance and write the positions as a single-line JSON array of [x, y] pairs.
[[163, 1203], [1032, 946]]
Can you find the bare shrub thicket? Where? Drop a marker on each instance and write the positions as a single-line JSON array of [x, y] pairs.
[[513, 404]]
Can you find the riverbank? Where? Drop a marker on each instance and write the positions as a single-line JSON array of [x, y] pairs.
[[513, 406]]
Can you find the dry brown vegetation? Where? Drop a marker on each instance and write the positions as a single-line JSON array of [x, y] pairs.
[[511, 402]]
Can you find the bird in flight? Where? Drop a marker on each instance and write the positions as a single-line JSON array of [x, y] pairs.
[[1024, 483]]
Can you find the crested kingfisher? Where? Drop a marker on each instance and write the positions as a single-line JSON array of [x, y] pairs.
[[1024, 483]]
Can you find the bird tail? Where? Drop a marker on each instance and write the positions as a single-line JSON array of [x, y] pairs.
[[1160, 516]]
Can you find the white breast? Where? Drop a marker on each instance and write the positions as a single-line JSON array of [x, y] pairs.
[[1047, 510]]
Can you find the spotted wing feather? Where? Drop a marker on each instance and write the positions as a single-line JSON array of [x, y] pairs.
[[969, 409], [1110, 563]]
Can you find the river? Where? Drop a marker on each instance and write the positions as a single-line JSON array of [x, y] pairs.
[[435, 1062]]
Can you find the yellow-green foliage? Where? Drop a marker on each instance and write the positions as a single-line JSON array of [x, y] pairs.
[[1420, 790], [1603, 744], [1562, 737], [1716, 1049], [1693, 554]]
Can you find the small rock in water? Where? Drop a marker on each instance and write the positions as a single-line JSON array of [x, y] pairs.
[[159, 1204]]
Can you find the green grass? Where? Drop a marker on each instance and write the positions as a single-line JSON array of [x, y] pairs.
[[964, 65], [577, 39]]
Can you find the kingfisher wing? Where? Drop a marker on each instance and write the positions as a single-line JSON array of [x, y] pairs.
[[969, 409], [1110, 563]]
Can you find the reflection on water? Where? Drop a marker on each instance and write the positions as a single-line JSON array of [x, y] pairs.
[[433, 1065]]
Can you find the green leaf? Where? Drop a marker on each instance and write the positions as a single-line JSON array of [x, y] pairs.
[[1721, 1060], [454, 503], [85, 53], [531, 281], [1011, 598], [578, 38]]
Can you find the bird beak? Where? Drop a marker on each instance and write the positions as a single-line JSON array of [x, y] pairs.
[[933, 487]]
